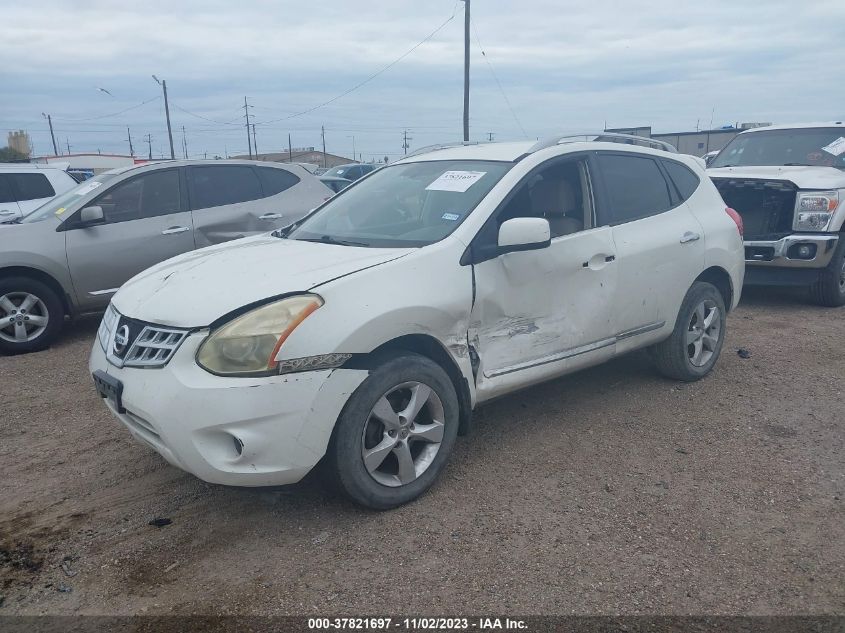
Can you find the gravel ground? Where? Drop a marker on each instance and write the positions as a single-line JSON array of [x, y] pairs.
[[610, 491]]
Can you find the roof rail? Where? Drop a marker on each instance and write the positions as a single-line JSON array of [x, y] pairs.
[[439, 146], [604, 137]]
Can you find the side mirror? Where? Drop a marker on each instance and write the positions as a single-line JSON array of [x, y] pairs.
[[524, 234], [89, 216]]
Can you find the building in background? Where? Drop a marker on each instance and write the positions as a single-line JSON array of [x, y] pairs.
[[20, 142], [696, 143]]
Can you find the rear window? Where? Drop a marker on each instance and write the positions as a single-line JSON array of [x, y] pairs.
[[215, 186], [31, 186], [635, 187], [276, 180], [685, 180]]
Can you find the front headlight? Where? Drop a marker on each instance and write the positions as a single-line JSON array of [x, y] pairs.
[[813, 210], [249, 344]]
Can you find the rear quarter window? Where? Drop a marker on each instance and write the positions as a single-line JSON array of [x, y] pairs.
[[31, 186], [684, 179]]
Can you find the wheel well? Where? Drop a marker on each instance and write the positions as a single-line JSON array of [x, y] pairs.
[[32, 273], [720, 278], [431, 348]]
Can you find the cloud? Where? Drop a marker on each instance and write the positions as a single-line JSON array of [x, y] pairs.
[[564, 65]]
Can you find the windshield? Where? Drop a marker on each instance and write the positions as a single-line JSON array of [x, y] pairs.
[[815, 147], [339, 171], [58, 206], [413, 204]]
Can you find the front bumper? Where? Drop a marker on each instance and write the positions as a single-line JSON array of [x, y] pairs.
[[232, 431], [782, 253]]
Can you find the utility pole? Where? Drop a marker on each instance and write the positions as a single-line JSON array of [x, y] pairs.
[[290, 150], [254, 142], [405, 139], [466, 70], [490, 136], [163, 85], [248, 138], [149, 140], [67, 140], [52, 136], [323, 135], [184, 142], [129, 138]]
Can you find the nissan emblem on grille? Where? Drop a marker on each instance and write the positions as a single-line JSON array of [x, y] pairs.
[[121, 339], [137, 344]]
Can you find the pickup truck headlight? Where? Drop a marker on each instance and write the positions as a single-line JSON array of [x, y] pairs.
[[249, 344], [813, 210]]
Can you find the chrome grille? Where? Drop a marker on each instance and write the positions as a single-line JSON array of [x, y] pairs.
[[131, 343]]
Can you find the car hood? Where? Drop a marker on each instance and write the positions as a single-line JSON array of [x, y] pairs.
[[801, 177], [196, 289]]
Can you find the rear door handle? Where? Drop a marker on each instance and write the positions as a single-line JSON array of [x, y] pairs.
[[173, 230], [7, 212], [270, 216], [689, 236], [595, 261]]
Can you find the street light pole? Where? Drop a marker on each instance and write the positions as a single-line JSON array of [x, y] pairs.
[[466, 70], [52, 136], [163, 85]]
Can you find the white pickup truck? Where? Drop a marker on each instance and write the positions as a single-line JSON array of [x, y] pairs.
[[788, 184]]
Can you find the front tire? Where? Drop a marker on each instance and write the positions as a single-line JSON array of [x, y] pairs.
[[31, 315], [696, 342], [829, 290], [395, 433]]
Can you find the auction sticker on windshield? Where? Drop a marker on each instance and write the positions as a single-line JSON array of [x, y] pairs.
[[836, 148], [458, 181]]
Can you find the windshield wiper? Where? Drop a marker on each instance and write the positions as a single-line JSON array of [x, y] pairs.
[[328, 239], [796, 165], [13, 221]]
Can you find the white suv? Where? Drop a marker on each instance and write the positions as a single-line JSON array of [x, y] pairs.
[[24, 187], [367, 332]]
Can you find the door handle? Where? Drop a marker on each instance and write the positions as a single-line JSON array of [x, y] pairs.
[[173, 230], [689, 236], [270, 216], [596, 261], [7, 212]]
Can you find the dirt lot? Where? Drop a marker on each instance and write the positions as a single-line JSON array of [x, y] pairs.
[[611, 491]]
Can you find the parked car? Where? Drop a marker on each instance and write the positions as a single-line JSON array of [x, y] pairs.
[[367, 332], [352, 171], [788, 184], [25, 187], [70, 256], [334, 183]]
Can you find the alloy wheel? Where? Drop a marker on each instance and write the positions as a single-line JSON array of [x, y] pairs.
[[23, 317], [703, 332], [403, 434]]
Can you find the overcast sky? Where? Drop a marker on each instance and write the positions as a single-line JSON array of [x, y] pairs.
[[563, 66]]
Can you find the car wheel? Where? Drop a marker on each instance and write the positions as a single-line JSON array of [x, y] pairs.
[[395, 433], [696, 342], [829, 290], [31, 315]]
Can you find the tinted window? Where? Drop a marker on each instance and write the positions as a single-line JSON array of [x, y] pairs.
[[635, 187], [6, 189], [32, 186], [146, 196], [276, 180], [224, 184], [683, 177]]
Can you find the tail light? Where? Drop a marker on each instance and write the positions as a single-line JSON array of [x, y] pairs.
[[737, 218]]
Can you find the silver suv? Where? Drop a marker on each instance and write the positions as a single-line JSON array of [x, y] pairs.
[[68, 257]]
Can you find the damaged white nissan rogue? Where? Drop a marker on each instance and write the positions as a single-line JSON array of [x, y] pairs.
[[364, 334]]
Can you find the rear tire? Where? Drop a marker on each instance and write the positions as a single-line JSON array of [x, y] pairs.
[[31, 315], [395, 433], [829, 290], [692, 350]]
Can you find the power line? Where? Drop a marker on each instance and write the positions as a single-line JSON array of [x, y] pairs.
[[199, 116], [496, 77], [374, 75], [106, 116]]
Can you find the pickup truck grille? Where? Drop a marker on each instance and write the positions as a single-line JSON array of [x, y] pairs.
[[766, 206]]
